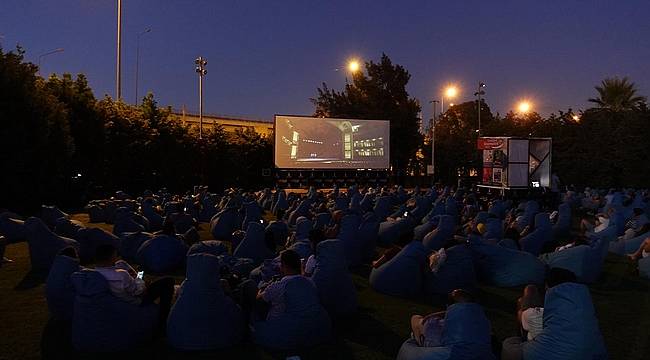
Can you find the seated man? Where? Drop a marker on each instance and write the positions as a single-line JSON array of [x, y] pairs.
[[636, 226], [273, 293], [124, 282], [427, 330], [530, 312]]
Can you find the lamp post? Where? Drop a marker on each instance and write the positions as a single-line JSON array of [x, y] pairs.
[[118, 75], [57, 50], [433, 142], [137, 62], [200, 69], [481, 86]]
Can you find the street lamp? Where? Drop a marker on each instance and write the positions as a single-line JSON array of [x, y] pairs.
[[353, 66], [451, 91], [137, 63], [200, 69], [57, 50], [481, 86], [433, 142], [524, 106], [118, 76]]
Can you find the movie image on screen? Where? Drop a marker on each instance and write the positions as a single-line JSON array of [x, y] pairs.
[[325, 143]]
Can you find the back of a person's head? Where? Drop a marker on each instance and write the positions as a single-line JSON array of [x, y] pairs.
[[105, 253], [290, 259], [557, 276]]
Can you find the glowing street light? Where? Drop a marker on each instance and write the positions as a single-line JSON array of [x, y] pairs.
[[353, 66], [450, 92], [576, 118], [524, 106]]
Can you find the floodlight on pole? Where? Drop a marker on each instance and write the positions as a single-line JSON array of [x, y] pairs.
[[524, 107], [201, 70], [57, 50], [478, 93], [450, 92], [353, 66]]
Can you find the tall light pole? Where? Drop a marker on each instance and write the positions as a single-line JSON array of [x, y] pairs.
[[137, 63], [118, 80], [481, 86], [433, 142], [200, 69], [57, 50]]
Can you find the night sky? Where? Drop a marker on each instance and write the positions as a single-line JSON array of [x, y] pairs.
[[268, 57]]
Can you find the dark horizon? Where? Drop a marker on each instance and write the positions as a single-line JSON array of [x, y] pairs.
[[266, 59]]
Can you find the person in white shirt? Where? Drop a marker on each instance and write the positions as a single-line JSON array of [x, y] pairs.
[[530, 312], [124, 283], [273, 294]]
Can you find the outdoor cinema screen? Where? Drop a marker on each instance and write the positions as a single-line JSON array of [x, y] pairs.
[[324, 143]]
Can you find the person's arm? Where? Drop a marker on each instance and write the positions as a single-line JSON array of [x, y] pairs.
[[271, 293], [121, 264], [132, 286]]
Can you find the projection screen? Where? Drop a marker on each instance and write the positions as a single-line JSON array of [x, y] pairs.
[[325, 143]]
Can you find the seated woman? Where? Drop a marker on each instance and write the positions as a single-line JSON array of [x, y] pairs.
[[599, 223], [427, 330], [530, 312]]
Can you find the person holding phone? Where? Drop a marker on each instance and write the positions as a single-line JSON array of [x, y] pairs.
[[128, 285]]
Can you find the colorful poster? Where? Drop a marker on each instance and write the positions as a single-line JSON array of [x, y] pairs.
[[491, 143], [487, 175], [496, 176]]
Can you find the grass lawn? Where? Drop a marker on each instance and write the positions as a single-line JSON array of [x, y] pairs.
[[622, 302]]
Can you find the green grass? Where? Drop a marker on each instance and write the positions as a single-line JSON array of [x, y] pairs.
[[621, 299]]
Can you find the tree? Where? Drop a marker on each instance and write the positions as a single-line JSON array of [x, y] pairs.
[[35, 141], [379, 94], [618, 95]]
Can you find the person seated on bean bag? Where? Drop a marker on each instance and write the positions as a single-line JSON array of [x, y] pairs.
[[90, 238], [125, 222], [295, 319], [125, 283], [278, 231], [155, 219], [254, 245], [423, 229], [531, 208], [450, 269], [332, 279], [570, 328], [391, 230], [162, 254], [501, 266], [44, 245], [535, 240], [461, 332], [439, 236], [402, 275], [68, 228], [59, 291], [300, 211], [204, 317], [102, 322], [224, 223], [49, 215]]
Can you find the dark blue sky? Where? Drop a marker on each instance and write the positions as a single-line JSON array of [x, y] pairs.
[[268, 57]]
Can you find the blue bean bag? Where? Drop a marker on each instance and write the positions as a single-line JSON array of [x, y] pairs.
[[130, 244], [366, 203], [332, 279], [391, 230], [622, 247], [279, 231], [90, 238], [59, 291], [281, 204], [211, 247], [68, 228], [183, 222], [571, 328], [44, 245], [466, 336], [12, 229], [535, 240], [203, 317], [224, 223], [403, 274], [303, 227], [451, 208], [253, 213], [342, 202], [322, 220], [96, 214], [457, 272], [439, 236], [423, 229], [382, 207], [493, 230], [49, 215], [208, 209], [102, 322], [253, 246], [531, 208], [125, 222], [349, 237], [368, 234], [162, 254], [500, 266], [304, 322]]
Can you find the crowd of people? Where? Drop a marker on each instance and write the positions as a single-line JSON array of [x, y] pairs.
[[277, 271]]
